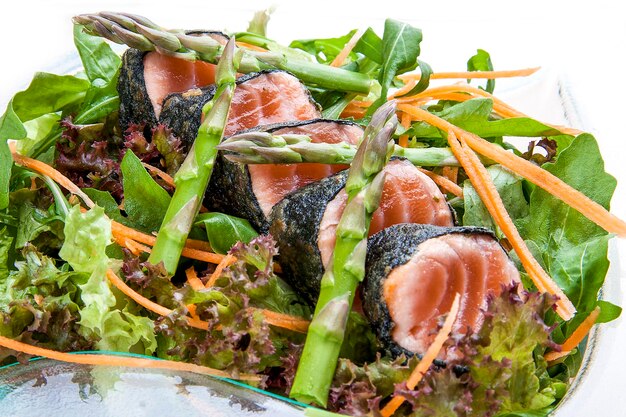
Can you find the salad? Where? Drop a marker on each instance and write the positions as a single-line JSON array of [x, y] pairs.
[[316, 219]]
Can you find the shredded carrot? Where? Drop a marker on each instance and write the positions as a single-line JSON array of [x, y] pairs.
[[576, 337], [405, 121], [134, 247], [227, 260], [192, 311], [451, 173], [250, 46], [193, 280], [194, 249], [444, 183], [163, 175], [533, 173], [427, 360], [341, 57], [403, 90], [148, 304], [485, 188], [473, 74], [47, 170], [354, 112], [114, 360], [286, 321], [361, 103], [455, 92]]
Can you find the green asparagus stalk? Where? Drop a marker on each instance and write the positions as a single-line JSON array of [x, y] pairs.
[[265, 148], [140, 33], [347, 267], [194, 174]]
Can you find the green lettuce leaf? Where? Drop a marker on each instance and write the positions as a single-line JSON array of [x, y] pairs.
[[474, 116], [482, 62], [145, 201], [572, 248], [223, 230], [87, 236], [401, 47], [11, 127], [509, 187]]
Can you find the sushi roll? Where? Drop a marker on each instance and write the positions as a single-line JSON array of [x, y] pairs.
[[251, 191], [413, 273], [260, 98], [146, 78], [304, 222]]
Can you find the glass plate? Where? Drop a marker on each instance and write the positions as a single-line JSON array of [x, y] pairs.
[[45, 387]]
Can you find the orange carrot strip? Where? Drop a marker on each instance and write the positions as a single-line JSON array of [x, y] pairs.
[[338, 61], [473, 74], [114, 360], [193, 280], [192, 311], [227, 260], [148, 304], [361, 103], [356, 113], [499, 106], [575, 338], [428, 358], [405, 120], [194, 249], [59, 178], [163, 175], [286, 321], [250, 46], [451, 173], [403, 90], [444, 183], [488, 193], [538, 176]]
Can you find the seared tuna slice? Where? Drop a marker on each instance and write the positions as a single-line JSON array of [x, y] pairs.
[[260, 99], [146, 78], [413, 273], [304, 222], [251, 191]]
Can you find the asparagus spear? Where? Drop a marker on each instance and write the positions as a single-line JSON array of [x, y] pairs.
[[265, 148], [347, 267], [140, 33], [193, 176]]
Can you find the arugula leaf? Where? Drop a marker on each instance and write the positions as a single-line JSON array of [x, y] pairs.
[[99, 60], [401, 47], [482, 62], [324, 50], [49, 93], [608, 312], [223, 230], [11, 127], [509, 187], [101, 66], [105, 200], [101, 99], [573, 249], [145, 201], [371, 46], [87, 236], [426, 71], [473, 115]]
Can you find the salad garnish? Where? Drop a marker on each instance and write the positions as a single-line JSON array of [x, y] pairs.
[[135, 230]]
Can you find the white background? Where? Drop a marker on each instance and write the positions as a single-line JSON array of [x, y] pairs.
[[584, 42]]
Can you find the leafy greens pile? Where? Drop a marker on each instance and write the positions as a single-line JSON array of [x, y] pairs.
[[53, 257]]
